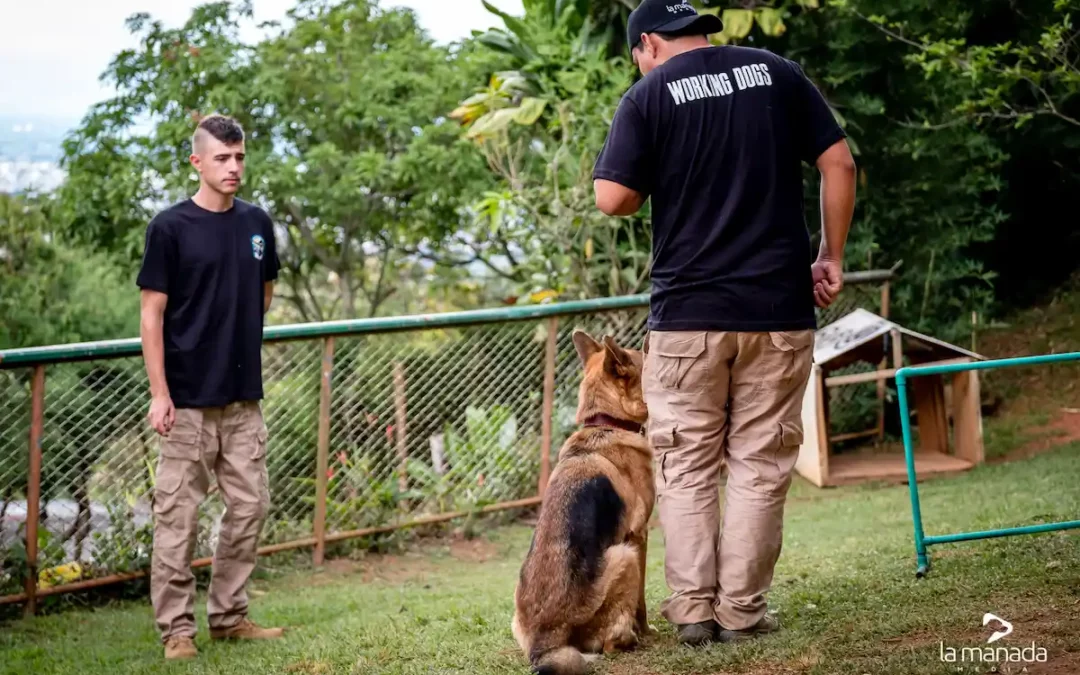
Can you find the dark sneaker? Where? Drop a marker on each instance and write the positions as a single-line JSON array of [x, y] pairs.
[[697, 634], [767, 624]]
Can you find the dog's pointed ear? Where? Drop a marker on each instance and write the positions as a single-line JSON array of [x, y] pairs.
[[585, 345], [616, 360]]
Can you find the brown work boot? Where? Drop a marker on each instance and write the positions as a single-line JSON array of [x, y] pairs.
[[180, 647], [246, 630]]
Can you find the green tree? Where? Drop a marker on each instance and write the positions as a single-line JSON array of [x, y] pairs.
[[53, 291], [989, 71], [540, 124], [348, 145], [1037, 73]]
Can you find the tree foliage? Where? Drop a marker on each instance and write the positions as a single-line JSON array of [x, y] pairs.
[[409, 176], [52, 291]]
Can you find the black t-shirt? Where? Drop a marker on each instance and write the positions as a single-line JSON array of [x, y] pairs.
[[715, 137], [213, 266]]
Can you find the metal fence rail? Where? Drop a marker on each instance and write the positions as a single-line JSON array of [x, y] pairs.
[[375, 425]]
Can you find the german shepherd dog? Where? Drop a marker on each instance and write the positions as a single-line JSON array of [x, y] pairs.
[[582, 584]]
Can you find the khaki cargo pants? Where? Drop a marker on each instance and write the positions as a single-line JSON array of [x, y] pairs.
[[229, 443], [730, 396]]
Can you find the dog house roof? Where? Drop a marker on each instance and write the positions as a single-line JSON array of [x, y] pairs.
[[860, 336]]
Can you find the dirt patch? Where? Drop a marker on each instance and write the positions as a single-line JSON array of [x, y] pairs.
[[414, 564], [1060, 622], [1065, 428], [623, 668], [912, 641], [473, 550], [396, 569], [1063, 664], [392, 569]]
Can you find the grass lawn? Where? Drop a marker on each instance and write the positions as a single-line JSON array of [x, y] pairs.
[[845, 591]]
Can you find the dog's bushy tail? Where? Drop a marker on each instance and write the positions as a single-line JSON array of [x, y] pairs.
[[561, 661]]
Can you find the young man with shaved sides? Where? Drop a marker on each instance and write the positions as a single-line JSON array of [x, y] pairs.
[[716, 137], [207, 280]]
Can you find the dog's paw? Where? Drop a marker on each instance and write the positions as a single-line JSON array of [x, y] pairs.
[[644, 630]]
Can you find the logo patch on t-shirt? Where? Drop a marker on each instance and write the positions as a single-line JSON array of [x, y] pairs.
[[258, 246]]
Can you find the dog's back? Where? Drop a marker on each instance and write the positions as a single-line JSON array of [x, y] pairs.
[[580, 582]]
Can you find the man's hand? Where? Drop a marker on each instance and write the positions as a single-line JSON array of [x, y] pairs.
[[828, 281], [162, 414]]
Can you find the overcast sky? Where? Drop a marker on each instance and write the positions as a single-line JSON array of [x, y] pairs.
[[52, 51]]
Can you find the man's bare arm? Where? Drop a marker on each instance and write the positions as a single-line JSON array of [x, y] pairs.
[[838, 178], [151, 330], [268, 295], [614, 199], [153, 340]]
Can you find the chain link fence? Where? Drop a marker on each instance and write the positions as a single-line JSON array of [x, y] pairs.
[[398, 422]]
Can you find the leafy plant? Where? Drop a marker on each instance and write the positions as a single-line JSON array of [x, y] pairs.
[[123, 546], [488, 463]]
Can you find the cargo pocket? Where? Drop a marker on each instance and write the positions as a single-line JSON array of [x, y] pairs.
[[258, 449], [787, 452], [180, 452], [678, 360], [662, 441], [259, 458], [796, 349]]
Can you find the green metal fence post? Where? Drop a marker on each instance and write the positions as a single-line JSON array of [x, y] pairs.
[[913, 487]]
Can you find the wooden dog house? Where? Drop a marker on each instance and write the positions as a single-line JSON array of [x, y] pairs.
[[863, 337]]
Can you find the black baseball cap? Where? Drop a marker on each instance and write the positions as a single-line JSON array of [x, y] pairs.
[[672, 17]]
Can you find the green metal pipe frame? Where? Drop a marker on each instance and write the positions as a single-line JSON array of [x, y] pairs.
[[22, 358], [923, 542], [112, 349]]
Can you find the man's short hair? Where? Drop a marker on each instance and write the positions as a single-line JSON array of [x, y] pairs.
[[222, 127], [671, 37]]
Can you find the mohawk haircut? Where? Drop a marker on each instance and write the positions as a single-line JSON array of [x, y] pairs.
[[223, 128]]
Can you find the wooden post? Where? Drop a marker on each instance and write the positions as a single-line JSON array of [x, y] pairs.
[[813, 459], [33, 489], [882, 366], [929, 393], [967, 417], [401, 417], [323, 461], [549, 403], [897, 349]]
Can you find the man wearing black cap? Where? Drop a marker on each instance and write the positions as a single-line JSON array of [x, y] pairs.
[[716, 136]]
